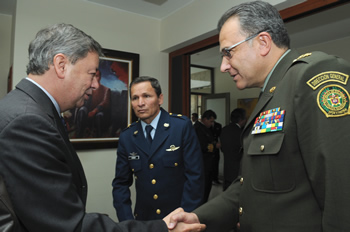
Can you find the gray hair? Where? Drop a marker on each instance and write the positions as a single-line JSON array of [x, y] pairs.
[[154, 83], [59, 38], [258, 16]]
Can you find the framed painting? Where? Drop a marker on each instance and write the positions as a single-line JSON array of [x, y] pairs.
[[99, 122], [248, 104]]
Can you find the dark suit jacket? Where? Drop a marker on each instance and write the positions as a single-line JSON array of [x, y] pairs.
[[167, 176], [230, 146], [296, 179], [44, 177], [205, 137]]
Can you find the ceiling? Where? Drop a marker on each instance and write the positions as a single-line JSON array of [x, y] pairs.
[[157, 9]]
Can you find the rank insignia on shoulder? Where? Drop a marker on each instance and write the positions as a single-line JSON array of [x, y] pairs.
[[269, 121], [133, 156], [302, 56], [330, 76], [172, 148], [333, 100]]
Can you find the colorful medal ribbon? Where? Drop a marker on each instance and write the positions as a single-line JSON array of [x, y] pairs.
[[269, 121]]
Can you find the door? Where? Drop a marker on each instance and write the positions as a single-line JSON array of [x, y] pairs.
[[220, 104]]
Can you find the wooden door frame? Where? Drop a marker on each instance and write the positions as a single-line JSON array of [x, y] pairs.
[[290, 14]]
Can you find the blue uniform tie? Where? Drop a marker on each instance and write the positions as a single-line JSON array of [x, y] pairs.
[[149, 128]]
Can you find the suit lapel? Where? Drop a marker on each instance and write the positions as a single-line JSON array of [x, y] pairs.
[[139, 138], [71, 156], [162, 131]]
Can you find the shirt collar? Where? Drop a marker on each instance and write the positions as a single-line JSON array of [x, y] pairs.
[[154, 124], [49, 95], [268, 76]]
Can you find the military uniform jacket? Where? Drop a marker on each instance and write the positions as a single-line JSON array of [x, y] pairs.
[[296, 178], [43, 175], [167, 175]]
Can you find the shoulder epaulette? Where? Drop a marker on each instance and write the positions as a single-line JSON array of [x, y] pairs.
[[130, 125], [303, 56], [177, 115]]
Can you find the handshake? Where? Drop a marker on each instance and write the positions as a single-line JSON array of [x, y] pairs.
[[179, 220]]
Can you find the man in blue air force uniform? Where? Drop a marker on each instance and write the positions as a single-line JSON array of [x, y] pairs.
[[167, 166]]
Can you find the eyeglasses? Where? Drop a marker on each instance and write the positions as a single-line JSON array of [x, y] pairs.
[[226, 52]]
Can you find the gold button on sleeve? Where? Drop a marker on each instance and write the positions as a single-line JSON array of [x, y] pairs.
[[240, 211], [241, 180], [151, 166], [154, 181], [176, 164], [155, 196], [158, 211]]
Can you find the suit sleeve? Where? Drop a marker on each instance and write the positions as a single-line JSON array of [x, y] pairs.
[[40, 185], [323, 139], [194, 185], [221, 213], [122, 182]]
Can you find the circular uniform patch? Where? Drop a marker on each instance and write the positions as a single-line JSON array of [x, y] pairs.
[[333, 100]]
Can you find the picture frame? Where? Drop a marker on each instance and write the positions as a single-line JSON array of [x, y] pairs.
[[248, 104], [99, 122]]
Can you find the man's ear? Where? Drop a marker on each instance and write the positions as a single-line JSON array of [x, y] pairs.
[[265, 43], [60, 62], [160, 99]]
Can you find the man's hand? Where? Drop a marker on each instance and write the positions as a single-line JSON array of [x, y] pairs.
[[178, 220]]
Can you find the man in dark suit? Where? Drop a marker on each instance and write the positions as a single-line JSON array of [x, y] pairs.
[[295, 164], [195, 120], [231, 145], [207, 146], [168, 169], [44, 178], [216, 128]]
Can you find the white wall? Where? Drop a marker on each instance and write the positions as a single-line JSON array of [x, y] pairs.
[[195, 22], [5, 47]]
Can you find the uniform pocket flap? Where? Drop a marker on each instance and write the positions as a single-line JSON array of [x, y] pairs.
[[266, 144]]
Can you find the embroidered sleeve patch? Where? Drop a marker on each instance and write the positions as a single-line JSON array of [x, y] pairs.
[[333, 100], [324, 77], [269, 121]]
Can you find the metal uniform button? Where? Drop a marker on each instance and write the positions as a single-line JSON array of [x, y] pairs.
[[155, 196], [151, 166], [176, 164], [158, 211], [135, 177], [154, 181], [240, 211], [241, 180], [262, 147], [132, 170]]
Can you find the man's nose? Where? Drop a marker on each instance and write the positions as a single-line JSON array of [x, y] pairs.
[[225, 65], [95, 84]]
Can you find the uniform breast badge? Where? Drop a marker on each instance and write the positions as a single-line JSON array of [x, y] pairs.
[[269, 121], [133, 156], [333, 100], [172, 148]]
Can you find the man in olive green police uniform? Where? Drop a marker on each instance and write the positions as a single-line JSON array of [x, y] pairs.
[[296, 155]]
